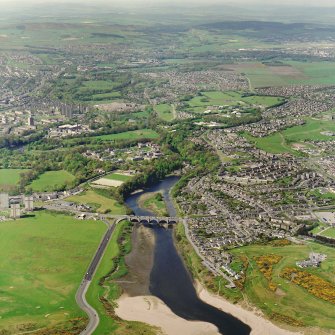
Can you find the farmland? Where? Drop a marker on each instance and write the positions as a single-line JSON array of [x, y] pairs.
[[44, 257], [288, 73], [99, 202], [51, 181], [288, 300]]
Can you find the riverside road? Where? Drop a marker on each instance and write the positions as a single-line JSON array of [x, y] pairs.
[[81, 293]]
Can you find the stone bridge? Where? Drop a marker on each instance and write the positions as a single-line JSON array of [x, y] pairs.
[[150, 221]]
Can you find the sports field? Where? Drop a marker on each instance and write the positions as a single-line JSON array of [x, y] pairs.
[[289, 301], [118, 176], [43, 260], [281, 142], [130, 135], [99, 202], [10, 177], [51, 181]]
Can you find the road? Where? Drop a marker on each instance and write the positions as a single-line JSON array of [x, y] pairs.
[[85, 284]]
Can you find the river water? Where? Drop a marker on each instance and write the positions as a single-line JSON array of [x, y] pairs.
[[170, 280]]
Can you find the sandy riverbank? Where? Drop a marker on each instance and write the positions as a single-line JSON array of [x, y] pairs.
[[136, 304], [258, 324], [153, 311]]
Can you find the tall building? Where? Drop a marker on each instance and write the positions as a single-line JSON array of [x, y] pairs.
[[28, 203], [15, 211], [30, 121], [4, 201]]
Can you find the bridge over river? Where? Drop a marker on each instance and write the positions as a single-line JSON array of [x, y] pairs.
[[166, 222]]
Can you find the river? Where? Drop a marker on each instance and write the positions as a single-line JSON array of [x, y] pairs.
[[170, 280]]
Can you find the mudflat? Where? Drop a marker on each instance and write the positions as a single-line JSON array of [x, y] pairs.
[[139, 262]]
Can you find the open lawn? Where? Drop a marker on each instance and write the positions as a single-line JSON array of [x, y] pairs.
[[9, 177], [274, 143], [289, 300], [330, 232], [99, 202], [52, 181], [281, 142], [130, 135], [165, 112], [43, 260]]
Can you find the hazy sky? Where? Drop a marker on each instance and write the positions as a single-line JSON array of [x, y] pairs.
[[193, 2]]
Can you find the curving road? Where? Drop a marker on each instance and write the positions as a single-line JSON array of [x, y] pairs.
[[85, 284]]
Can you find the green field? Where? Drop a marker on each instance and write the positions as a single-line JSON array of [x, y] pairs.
[[229, 99], [289, 73], [281, 142], [99, 202], [43, 260], [329, 233], [118, 176], [10, 177], [165, 112], [130, 135], [51, 181], [289, 300]]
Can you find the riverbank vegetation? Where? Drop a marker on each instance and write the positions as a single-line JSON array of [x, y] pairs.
[[44, 256], [104, 290], [153, 202]]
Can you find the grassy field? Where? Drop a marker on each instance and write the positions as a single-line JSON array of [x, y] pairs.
[[164, 111], [130, 135], [329, 233], [9, 178], [99, 202], [43, 260], [113, 267], [229, 98], [154, 202], [281, 142], [274, 143], [289, 73], [289, 300], [51, 181], [118, 176]]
